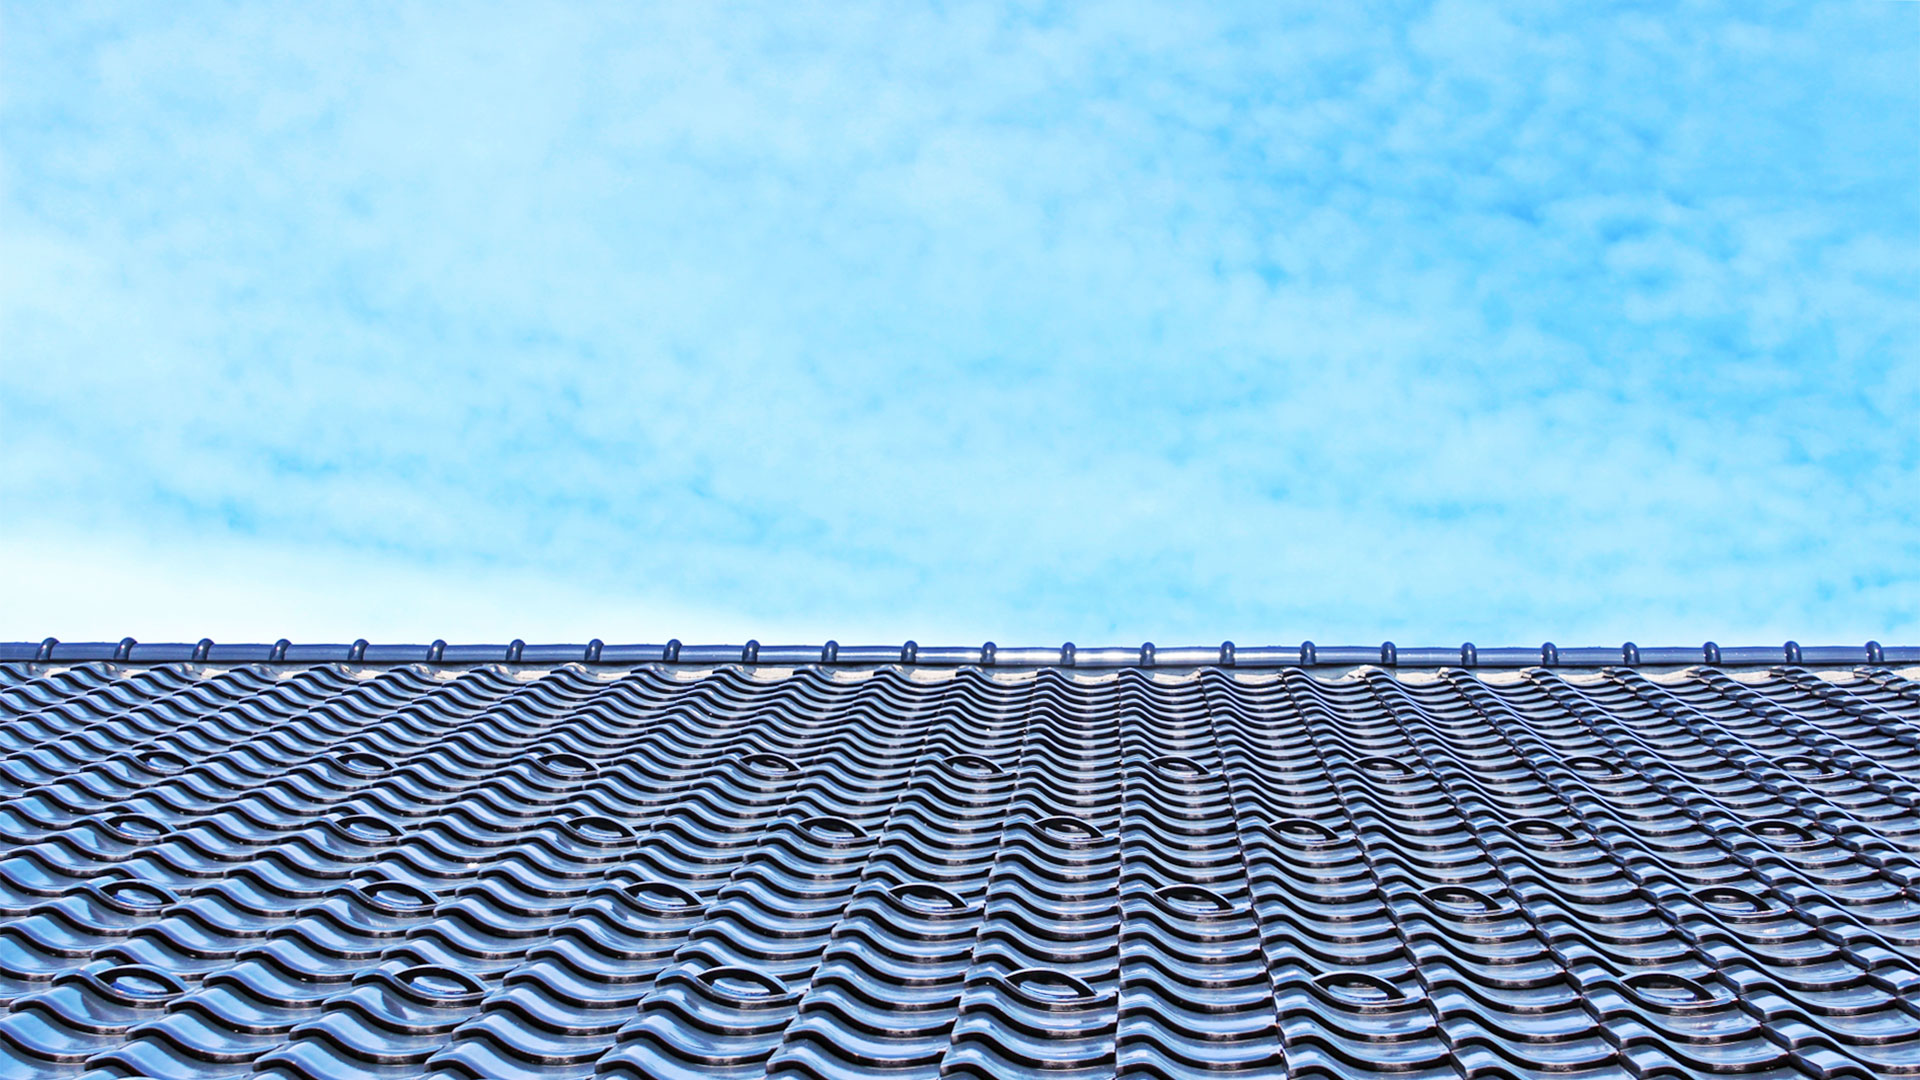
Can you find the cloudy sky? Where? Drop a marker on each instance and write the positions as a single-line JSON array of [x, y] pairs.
[[1103, 323]]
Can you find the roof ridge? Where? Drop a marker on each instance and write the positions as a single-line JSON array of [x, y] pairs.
[[1226, 654]]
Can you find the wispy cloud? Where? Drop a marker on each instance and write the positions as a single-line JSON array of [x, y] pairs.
[[1146, 321]]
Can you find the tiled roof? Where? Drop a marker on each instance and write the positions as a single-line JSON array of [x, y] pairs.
[[557, 868]]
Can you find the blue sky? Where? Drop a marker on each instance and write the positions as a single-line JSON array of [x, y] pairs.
[[1108, 323]]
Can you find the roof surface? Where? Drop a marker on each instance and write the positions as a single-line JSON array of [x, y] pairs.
[[666, 870]]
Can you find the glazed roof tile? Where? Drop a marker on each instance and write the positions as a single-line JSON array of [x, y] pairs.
[[352, 861]]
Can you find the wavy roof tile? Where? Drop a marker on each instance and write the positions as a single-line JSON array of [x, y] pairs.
[[582, 866]]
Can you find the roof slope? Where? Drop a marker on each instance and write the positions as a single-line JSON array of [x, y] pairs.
[[332, 871]]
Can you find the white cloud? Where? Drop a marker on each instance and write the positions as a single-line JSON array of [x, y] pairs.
[[78, 588], [1144, 322]]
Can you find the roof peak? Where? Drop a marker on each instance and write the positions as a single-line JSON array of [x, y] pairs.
[[1068, 655]]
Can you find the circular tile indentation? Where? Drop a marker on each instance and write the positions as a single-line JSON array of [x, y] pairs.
[[137, 984], [1070, 829], [1194, 901], [1588, 765], [568, 765], [1804, 767], [1385, 767], [364, 763], [440, 985], [396, 897], [927, 898], [1730, 900], [163, 761], [137, 896], [1461, 900], [1782, 833], [138, 828], [741, 985], [1049, 988], [772, 765], [663, 896], [1304, 833], [599, 829], [368, 829], [833, 830], [1360, 988], [1542, 833], [1666, 991], [1176, 767], [973, 765]]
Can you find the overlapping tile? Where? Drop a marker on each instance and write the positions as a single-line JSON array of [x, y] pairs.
[[806, 871]]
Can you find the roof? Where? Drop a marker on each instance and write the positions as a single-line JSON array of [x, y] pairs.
[[556, 868]]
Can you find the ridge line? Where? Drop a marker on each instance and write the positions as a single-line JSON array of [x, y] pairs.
[[1227, 654]]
